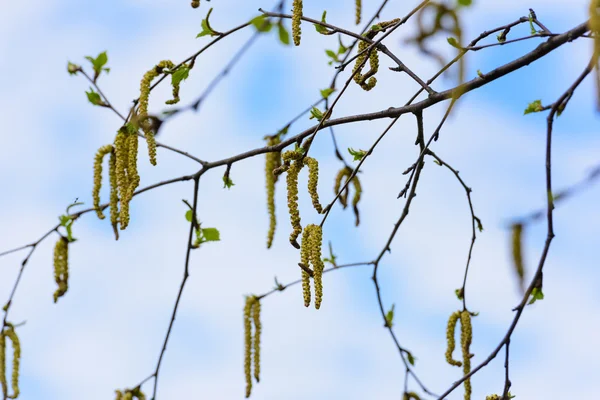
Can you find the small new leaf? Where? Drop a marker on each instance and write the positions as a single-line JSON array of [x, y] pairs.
[[459, 293], [389, 317], [278, 285], [94, 98], [334, 57], [465, 3], [261, 23], [534, 106], [207, 30], [316, 113], [179, 75], [536, 294], [98, 63], [320, 28], [454, 43], [188, 215], [67, 222], [332, 257], [357, 154], [284, 35], [411, 358], [211, 234], [227, 182], [342, 49], [73, 69], [325, 93], [533, 30], [479, 224]]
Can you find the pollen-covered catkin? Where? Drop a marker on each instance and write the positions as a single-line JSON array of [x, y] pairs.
[[143, 104], [361, 79], [257, 331], [130, 394], [248, 345], [296, 17], [292, 196], [466, 336], [61, 267], [9, 332], [356, 198], [305, 252], [450, 338], [316, 239], [272, 162], [358, 9], [102, 151], [313, 181], [114, 192], [343, 173]]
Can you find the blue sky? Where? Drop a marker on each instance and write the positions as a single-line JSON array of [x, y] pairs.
[[107, 331]]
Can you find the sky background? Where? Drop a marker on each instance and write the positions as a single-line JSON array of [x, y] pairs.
[[106, 333]]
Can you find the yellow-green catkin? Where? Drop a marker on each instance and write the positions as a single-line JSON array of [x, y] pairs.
[[411, 396], [292, 195], [272, 162], [356, 198], [9, 332], [102, 151], [132, 171], [368, 80], [195, 3], [305, 260], [114, 192], [248, 345], [143, 104], [316, 240], [61, 267], [517, 252], [594, 26], [343, 173], [296, 17], [121, 145], [450, 338], [313, 181], [466, 337], [492, 397], [257, 332], [358, 9]]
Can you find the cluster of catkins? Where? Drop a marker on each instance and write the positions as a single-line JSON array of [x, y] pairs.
[[252, 341], [368, 81], [466, 336], [9, 332], [130, 394], [310, 253], [273, 161], [123, 170]]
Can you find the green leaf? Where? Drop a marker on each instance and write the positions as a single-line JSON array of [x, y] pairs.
[[227, 182], [342, 49], [531, 26], [284, 35], [316, 113], [332, 55], [207, 30], [459, 293], [211, 234], [454, 43], [332, 257], [188, 215], [536, 294], [534, 106], [389, 317], [75, 204], [479, 225], [67, 222], [320, 28], [325, 93], [94, 98], [465, 3], [98, 62], [261, 23], [357, 154], [73, 69], [180, 74], [411, 358]]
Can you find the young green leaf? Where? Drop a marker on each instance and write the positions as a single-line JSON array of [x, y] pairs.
[[533, 30], [94, 98], [227, 182], [179, 75], [517, 251], [465, 3], [534, 106], [331, 54], [73, 69], [211, 234], [207, 30], [325, 93], [320, 28], [189, 215], [341, 49], [411, 358], [316, 113], [357, 154], [284, 35], [459, 293], [479, 225], [98, 63], [454, 43], [536, 294], [389, 317], [261, 23], [332, 257]]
